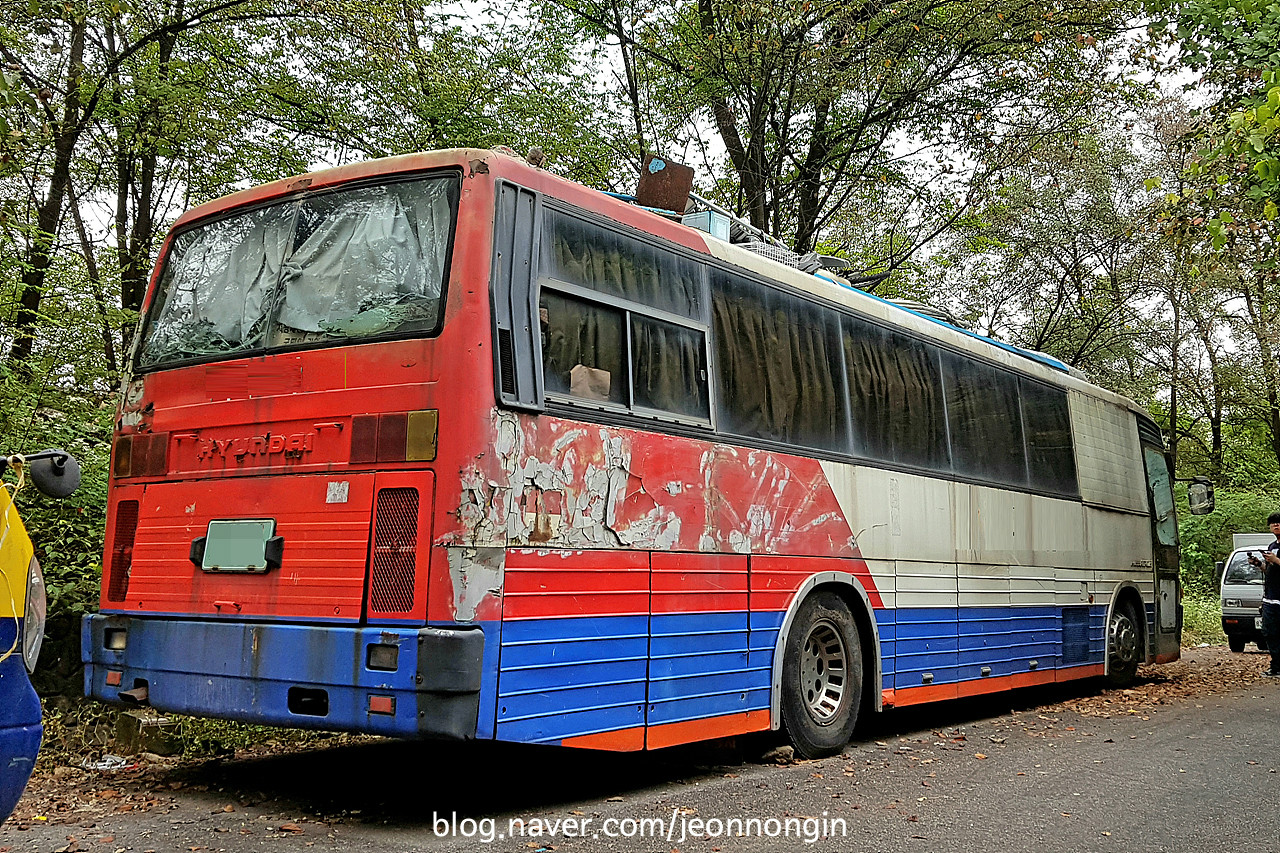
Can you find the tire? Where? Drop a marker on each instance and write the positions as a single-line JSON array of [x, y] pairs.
[[1124, 645], [821, 677], [1236, 642]]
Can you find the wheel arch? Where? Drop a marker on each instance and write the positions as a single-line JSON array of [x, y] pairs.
[[854, 594], [1127, 591]]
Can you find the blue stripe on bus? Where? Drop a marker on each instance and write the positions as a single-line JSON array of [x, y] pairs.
[[565, 678], [700, 666]]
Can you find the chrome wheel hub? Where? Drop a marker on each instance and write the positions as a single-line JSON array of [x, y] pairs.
[[823, 672]]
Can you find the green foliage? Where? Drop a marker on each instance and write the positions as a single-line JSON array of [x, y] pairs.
[[1202, 620], [203, 738], [1207, 538]]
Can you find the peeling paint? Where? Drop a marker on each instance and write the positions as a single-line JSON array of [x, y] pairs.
[[477, 579], [547, 482]]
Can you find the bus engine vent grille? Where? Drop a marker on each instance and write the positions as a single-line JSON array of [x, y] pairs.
[[122, 551], [395, 551], [1075, 634]]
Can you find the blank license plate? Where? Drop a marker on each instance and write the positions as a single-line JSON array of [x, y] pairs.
[[238, 545]]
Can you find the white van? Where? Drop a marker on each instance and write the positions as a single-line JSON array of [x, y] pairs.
[[1242, 592]]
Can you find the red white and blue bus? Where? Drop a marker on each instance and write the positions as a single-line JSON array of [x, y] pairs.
[[444, 445]]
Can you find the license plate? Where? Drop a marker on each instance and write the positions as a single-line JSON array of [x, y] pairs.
[[237, 545], [1257, 622]]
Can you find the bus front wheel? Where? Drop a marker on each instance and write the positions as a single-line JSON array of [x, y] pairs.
[[821, 677], [1124, 645]]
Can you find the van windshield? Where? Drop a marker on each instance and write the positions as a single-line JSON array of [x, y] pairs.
[[322, 269], [1240, 570]]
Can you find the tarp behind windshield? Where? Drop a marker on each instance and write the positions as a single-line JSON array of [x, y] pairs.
[[359, 263]]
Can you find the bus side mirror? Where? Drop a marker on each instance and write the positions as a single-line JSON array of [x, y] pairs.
[[1200, 496], [56, 473]]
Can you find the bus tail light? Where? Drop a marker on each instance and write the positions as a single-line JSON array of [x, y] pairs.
[[140, 455], [395, 437], [117, 581], [393, 569]]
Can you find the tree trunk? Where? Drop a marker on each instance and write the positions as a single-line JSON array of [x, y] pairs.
[[39, 257]]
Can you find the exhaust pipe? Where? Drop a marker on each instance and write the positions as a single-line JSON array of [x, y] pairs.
[[136, 696]]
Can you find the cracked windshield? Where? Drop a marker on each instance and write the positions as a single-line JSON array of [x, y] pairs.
[[359, 263]]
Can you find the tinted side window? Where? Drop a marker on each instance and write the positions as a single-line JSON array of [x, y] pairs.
[[778, 366], [669, 368], [1051, 458], [895, 397], [609, 263], [583, 349], [985, 421]]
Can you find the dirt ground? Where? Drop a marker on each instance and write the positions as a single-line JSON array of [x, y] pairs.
[[63, 792]]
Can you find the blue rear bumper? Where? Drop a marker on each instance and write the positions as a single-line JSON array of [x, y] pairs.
[[304, 676]]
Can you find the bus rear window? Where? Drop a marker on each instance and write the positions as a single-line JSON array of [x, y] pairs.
[[360, 263]]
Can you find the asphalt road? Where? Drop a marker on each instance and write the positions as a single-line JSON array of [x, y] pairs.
[[1161, 768]]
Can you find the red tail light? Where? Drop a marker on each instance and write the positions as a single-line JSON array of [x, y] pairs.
[[395, 437], [142, 455], [122, 551]]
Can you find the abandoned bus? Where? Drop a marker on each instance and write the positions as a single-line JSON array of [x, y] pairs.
[[444, 445]]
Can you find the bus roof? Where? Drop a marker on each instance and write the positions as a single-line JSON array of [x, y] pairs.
[[499, 163]]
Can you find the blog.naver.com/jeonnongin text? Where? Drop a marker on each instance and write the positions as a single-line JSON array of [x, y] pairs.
[[673, 828]]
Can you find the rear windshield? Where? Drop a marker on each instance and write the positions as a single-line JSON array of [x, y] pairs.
[[1239, 570], [359, 263]]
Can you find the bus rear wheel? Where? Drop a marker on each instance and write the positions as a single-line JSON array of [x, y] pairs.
[[821, 677], [1124, 645]]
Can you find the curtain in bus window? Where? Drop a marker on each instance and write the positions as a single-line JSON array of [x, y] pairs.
[[582, 349], [985, 421], [368, 261], [895, 397], [609, 263], [667, 368], [777, 363], [216, 288], [1051, 459]]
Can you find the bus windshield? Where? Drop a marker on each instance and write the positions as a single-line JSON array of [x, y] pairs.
[[358, 263]]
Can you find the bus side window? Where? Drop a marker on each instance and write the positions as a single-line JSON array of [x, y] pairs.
[[778, 366], [583, 349], [669, 367], [986, 422]]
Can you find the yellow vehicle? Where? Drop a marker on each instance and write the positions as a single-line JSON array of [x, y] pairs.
[[22, 616]]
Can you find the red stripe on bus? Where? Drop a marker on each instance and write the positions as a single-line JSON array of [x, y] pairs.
[[903, 696], [699, 583], [774, 580], [671, 734], [548, 584], [623, 740]]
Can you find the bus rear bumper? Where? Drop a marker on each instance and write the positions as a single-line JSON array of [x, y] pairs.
[[400, 682]]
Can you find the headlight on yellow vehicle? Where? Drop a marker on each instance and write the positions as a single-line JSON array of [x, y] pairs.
[[37, 610]]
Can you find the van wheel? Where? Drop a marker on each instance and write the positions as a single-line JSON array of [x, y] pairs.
[[821, 677], [1124, 645], [1236, 642]]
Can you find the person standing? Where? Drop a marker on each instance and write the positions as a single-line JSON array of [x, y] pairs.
[[1269, 562]]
